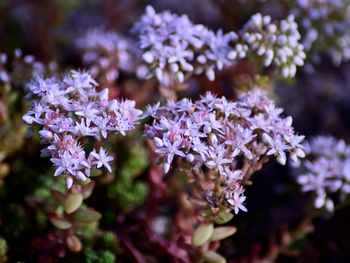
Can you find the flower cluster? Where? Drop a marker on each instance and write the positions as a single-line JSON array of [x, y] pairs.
[[277, 43], [21, 67], [230, 139], [325, 26], [175, 48], [169, 42], [105, 53], [71, 109], [326, 171], [218, 51]]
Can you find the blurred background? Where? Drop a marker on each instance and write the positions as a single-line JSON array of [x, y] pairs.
[[137, 204]]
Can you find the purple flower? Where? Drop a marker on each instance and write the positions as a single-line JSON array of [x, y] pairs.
[[217, 158], [170, 150], [71, 109], [326, 170], [174, 48], [102, 159], [105, 53], [277, 147], [221, 136], [236, 199]]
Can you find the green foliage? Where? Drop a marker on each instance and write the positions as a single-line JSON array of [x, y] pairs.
[[109, 239], [17, 220], [3, 249], [11, 109], [103, 256], [125, 190], [88, 233]]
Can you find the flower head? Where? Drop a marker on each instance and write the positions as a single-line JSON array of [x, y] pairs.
[[326, 171], [71, 109], [174, 48], [220, 135]]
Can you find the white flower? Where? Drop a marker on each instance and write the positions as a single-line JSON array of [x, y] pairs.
[[327, 170], [102, 159], [71, 109], [223, 137], [277, 147], [217, 158], [170, 149], [236, 200]]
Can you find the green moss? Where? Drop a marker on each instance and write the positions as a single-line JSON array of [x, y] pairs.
[[109, 239], [125, 190], [103, 256]]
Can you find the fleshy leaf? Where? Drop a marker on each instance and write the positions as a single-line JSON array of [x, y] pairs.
[[202, 234]]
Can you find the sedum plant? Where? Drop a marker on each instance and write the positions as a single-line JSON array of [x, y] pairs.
[[325, 26], [71, 110], [105, 54], [325, 172], [208, 146], [220, 144], [174, 48]]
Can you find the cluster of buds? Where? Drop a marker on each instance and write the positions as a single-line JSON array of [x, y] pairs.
[[21, 67], [105, 53], [325, 26], [169, 42], [218, 51], [14, 71], [175, 48], [277, 43], [223, 142], [70, 110], [326, 171]]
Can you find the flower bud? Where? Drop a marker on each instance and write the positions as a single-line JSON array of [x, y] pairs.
[[210, 74], [147, 57], [158, 142], [166, 167], [189, 158], [69, 182], [46, 134], [28, 119]]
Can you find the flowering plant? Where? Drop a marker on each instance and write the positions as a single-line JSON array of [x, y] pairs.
[[221, 144], [175, 48], [172, 132], [71, 110], [105, 54], [327, 171]]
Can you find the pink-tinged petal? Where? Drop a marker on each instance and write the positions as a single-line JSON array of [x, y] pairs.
[[108, 167], [59, 171], [281, 158]]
